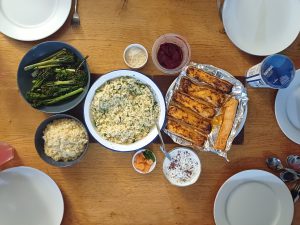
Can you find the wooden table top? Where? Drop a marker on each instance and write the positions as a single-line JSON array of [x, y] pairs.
[[104, 188]]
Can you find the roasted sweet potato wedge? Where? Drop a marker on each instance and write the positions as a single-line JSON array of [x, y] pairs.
[[187, 116], [203, 92], [201, 107], [186, 132], [200, 75], [229, 111]]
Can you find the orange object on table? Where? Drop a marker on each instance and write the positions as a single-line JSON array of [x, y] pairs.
[[6, 153], [142, 164]]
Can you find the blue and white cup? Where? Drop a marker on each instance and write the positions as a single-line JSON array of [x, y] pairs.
[[275, 71]]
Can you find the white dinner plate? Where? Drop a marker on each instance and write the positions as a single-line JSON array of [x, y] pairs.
[[253, 197], [261, 27], [29, 197], [30, 20], [287, 109]]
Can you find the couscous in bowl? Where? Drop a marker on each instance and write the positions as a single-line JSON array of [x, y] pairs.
[[134, 143]]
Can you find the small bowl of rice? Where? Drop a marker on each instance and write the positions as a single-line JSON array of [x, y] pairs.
[[61, 140]]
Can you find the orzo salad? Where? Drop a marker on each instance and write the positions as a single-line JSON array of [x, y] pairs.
[[124, 110]]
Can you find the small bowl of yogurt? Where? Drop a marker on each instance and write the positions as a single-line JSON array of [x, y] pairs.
[[135, 56], [184, 169]]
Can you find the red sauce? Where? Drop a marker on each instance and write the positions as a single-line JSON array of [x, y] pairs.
[[169, 55]]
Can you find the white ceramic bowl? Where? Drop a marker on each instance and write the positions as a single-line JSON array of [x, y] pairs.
[[152, 166], [173, 154], [128, 49], [88, 118]]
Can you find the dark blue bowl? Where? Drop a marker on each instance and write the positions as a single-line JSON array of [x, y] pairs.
[[39, 141], [34, 55]]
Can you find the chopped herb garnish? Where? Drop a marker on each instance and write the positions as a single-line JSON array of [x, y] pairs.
[[149, 155]]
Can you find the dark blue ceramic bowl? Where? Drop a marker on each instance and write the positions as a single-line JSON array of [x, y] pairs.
[[39, 142], [34, 55]]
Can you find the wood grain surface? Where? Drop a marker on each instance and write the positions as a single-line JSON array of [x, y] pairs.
[[104, 188]]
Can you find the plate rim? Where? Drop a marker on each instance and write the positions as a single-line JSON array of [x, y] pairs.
[[26, 169], [281, 116], [39, 35], [263, 53], [251, 172]]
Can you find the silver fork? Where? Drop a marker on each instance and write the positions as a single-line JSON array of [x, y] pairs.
[[162, 147], [75, 18], [295, 191]]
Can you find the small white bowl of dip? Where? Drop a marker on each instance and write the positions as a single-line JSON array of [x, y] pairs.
[[184, 169], [135, 56]]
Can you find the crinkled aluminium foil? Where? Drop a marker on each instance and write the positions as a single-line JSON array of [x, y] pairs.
[[238, 91]]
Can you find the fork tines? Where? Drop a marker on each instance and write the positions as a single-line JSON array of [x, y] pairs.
[[75, 20]]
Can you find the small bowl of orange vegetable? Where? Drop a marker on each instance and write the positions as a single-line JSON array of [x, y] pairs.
[[144, 161]]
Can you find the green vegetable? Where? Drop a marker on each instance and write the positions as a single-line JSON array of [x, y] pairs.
[[149, 155], [59, 58], [41, 77], [56, 78], [80, 65], [35, 96], [57, 99]]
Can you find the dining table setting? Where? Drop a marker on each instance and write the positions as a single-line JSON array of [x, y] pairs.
[[149, 112]]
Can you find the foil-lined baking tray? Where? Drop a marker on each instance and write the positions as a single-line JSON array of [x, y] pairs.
[[238, 91]]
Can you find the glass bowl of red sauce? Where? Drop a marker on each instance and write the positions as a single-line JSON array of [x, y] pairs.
[[170, 53]]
